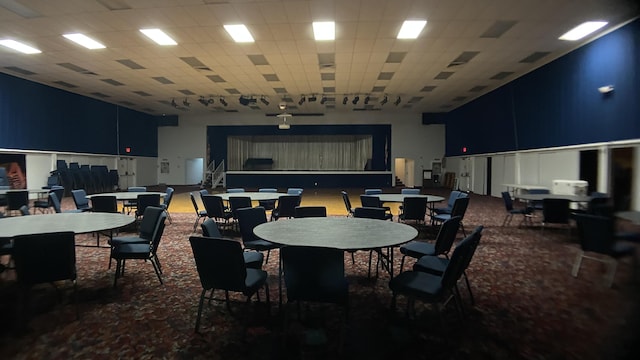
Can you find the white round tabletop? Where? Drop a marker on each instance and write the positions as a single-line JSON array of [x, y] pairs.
[[79, 223], [336, 232], [572, 198], [127, 195], [255, 196], [398, 198]]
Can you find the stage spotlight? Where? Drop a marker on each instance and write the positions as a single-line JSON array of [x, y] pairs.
[[356, 99], [173, 103], [323, 100], [344, 101], [244, 100], [204, 101], [302, 100], [384, 100], [186, 102], [264, 100], [398, 100], [223, 101], [366, 100], [312, 98]]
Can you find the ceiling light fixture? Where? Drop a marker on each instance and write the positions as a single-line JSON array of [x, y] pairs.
[[356, 99], [173, 103], [84, 40], [366, 100], [324, 30], [223, 101], [344, 100], [204, 101], [397, 102], [302, 100], [239, 33], [411, 29], [582, 30], [312, 98], [247, 100], [264, 100], [186, 102], [18, 46], [158, 36], [384, 100]]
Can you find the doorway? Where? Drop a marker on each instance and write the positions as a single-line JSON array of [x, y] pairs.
[[405, 172], [589, 169], [622, 160], [194, 171]]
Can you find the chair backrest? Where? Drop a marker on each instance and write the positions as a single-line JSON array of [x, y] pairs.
[[459, 260], [370, 213], [372, 191], [286, 206], [268, 190], [347, 202], [460, 206], [410, 191], [295, 191], [214, 206], [210, 229], [239, 202], [17, 198], [447, 235], [149, 222], [476, 236], [137, 189], [508, 202], [310, 211], [168, 197], [59, 191], [104, 203], [44, 258], [370, 201], [556, 211], [235, 190], [24, 210], [596, 233], [314, 274], [55, 202], [80, 199], [452, 198], [195, 203], [414, 208], [145, 201], [249, 218], [220, 263], [157, 233]]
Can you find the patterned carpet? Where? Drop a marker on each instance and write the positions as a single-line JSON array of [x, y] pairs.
[[528, 306]]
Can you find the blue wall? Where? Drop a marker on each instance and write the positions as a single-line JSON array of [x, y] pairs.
[[558, 104], [38, 117]]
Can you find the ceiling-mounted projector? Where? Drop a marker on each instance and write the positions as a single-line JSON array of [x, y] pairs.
[[284, 125]]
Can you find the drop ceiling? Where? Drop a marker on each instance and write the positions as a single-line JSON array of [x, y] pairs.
[[468, 48]]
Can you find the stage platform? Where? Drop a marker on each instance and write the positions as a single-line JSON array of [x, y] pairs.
[[309, 179]]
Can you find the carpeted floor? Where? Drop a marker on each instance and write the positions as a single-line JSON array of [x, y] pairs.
[[528, 306]]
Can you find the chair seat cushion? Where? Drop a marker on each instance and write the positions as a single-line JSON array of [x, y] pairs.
[[253, 259], [620, 249], [417, 284], [418, 249], [431, 264], [131, 251], [260, 245], [120, 240], [442, 210], [628, 236], [254, 280]]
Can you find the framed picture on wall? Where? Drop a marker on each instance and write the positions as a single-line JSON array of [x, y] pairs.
[[16, 170]]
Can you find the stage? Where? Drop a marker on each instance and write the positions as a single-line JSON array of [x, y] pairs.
[[309, 179]]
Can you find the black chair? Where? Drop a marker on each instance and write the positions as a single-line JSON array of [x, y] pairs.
[[414, 210], [508, 204], [372, 201], [459, 209], [239, 202], [556, 211], [597, 235], [435, 289], [146, 231], [453, 195], [252, 259], [267, 204], [146, 200], [220, 265], [104, 204], [436, 265], [130, 205], [167, 201], [315, 274], [17, 199], [24, 210], [537, 204], [347, 203], [310, 211], [55, 203], [141, 251], [286, 207], [44, 204], [45, 258], [249, 218], [80, 199], [215, 209], [377, 213], [444, 240], [200, 214]]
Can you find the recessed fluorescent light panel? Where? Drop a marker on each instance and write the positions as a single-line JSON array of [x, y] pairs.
[[18, 46], [324, 30], [582, 30], [411, 29], [158, 36], [85, 41], [239, 33]]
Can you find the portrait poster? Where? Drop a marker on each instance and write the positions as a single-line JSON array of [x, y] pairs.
[[16, 170]]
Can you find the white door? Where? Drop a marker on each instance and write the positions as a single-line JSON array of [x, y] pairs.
[[409, 173], [194, 170], [126, 171]]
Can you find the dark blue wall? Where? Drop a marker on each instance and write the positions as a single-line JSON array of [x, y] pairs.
[[381, 138], [38, 117], [558, 104]]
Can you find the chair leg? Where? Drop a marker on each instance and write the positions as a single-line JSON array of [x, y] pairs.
[[466, 280], [613, 265], [115, 278], [577, 263], [200, 303], [402, 263], [156, 268]]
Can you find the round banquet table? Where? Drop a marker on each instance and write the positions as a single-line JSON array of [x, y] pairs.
[[255, 196], [572, 198], [79, 223], [398, 198], [127, 195]]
